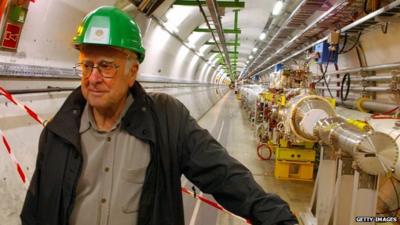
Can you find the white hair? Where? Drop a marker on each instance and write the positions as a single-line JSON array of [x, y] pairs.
[[131, 60]]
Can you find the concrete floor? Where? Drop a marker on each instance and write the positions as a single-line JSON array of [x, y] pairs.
[[228, 123]]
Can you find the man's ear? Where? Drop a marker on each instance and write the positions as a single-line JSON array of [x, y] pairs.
[[133, 74]]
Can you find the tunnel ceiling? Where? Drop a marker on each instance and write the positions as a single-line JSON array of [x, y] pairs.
[[185, 17]]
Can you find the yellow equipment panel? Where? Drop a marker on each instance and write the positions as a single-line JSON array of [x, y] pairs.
[[288, 170], [291, 154]]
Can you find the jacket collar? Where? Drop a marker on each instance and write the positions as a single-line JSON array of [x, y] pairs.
[[138, 120]]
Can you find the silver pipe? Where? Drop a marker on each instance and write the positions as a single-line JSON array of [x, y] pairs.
[[349, 103], [377, 106], [358, 79], [213, 8], [371, 15], [375, 153], [365, 69], [367, 89], [378, 78], [376, 89]]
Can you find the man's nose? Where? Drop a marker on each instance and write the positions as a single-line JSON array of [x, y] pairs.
[[95, 75]]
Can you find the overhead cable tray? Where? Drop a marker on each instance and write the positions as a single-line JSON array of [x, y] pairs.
[[301, 42]]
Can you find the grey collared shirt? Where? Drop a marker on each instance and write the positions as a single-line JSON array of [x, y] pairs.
[[113, 172]]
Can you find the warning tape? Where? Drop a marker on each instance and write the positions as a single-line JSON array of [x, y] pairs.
[[32, 114], [20, 171], [28, 110], [213, 204]]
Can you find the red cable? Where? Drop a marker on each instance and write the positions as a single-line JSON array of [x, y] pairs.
[[384, 114]]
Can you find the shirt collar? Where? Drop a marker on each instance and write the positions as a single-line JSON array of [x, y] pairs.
[[87, 119]]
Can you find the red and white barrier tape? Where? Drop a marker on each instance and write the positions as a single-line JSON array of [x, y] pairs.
[[32, 114], [28, 110], [20, 171], [213, 204]]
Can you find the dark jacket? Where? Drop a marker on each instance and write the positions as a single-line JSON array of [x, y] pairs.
[[178, 146]]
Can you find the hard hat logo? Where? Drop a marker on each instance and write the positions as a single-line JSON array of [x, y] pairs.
[[108, 25], [99, 35]]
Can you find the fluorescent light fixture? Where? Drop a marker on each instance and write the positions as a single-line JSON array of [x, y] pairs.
[[251, 57], [263, 35], [247, 62], [255, 49], [277, 8]]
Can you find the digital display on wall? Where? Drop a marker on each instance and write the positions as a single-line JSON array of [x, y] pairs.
[[12, 14], [11, 36]]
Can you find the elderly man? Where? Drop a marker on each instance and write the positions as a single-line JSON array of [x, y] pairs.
[[114, 154]]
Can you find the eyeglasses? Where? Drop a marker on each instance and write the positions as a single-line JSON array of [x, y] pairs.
[[106, 69]]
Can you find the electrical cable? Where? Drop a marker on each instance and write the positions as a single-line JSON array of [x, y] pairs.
[[324, 73], [384, 28], [365, 7], [354, 45], [344, 43], [346, 78], [385, 115]]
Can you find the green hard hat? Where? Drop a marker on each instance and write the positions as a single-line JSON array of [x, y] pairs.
[[108, 25]]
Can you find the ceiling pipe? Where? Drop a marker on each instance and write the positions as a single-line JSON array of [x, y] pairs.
[[213, 8], [236, 42], [368, 68]]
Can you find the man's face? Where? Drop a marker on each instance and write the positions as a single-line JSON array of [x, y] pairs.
[[103, 93]]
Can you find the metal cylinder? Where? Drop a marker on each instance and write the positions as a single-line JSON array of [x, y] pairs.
[[304, 112], [377, 106], [368, 89], [368, 68], [250, 94], [376, 78], [358, 79], [375, 153]]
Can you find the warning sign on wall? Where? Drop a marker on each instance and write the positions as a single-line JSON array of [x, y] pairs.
[[11, 36]]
